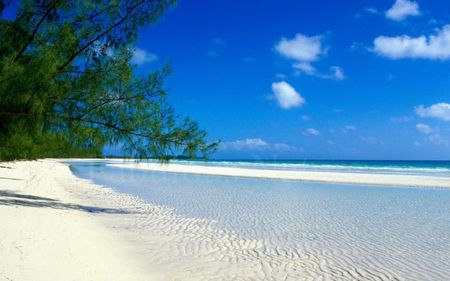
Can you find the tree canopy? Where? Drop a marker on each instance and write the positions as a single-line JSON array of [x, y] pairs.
[[68, 86]]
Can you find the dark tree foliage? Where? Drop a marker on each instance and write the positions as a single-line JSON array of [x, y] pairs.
[[67, 85]]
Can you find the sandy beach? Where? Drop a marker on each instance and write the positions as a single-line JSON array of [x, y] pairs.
[[56, 226], [48, 233], [309, 176]]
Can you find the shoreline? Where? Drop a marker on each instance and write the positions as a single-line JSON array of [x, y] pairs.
[[379, 179], [56, 226]]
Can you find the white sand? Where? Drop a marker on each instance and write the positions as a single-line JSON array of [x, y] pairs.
[[313, 176], [122, 238], [55, 226], [46, 233]]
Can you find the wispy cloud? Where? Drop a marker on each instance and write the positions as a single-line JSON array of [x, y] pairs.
[[249, 60], [403, 9], [305, 117], [281, 76], [217, 43], [311, 132], [401, 119], [256, 144], [245, 144], [286, 96], [432, 134], [424, 128], [336, 73], [212, 53], [435, 46], [304, 50], [371, 10], [141, 56], [349, 128], [438, 110], [371, 140], [438, 139]]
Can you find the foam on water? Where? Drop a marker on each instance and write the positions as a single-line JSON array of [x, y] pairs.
[[300, 231], [441, 168]]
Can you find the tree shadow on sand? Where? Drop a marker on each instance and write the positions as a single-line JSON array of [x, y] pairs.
[[9, 198], [12, 179]]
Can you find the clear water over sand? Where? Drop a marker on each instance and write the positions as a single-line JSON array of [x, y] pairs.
[[367, 233]]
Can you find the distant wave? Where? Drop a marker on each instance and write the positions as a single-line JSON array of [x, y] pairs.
[[400, 167]]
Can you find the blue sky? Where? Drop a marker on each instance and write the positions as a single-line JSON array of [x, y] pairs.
[[309, 79]]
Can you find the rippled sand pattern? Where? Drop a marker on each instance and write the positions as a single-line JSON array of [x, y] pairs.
[[225, 229]]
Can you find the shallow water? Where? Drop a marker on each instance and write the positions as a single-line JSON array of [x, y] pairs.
[[367, 233]]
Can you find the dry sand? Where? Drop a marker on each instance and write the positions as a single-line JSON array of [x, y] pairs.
[[313, 176], [47, 233]]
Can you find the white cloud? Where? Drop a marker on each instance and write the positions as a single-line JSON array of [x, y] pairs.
[[246, 144], [424, 128], [432, 134], [438, 110], [311, 132], [403, 9], [349, 128], [435, 46], [301, 48], [304, 50], [286, 96], [256, 144], [141, 56]]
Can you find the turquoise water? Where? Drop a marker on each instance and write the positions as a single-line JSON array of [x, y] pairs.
[[440, 168], [389, 232]]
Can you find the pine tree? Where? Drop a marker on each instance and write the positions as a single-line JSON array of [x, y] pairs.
[[68, 85]]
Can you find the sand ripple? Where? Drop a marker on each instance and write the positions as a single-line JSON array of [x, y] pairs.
[[188, 248]]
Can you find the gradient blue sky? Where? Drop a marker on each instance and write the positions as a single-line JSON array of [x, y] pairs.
[[225, 59], [360, 97]]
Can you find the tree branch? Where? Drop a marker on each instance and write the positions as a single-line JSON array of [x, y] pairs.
[[109, 29], [33, 34]]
